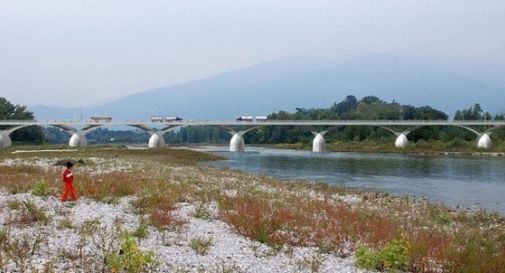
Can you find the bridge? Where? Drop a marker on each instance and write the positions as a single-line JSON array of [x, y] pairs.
[[400, 128]]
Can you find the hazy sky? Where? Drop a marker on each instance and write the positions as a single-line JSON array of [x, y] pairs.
[[82, 52]]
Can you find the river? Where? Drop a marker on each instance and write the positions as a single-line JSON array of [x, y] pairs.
[[468, 182]]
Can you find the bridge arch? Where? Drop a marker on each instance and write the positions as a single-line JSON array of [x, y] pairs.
[[237, 143], [156, 140], [483, 138], [5, 135], [401, 140]]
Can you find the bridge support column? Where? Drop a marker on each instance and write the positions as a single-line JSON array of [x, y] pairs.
[[156, 141], [484, 141], [401, 141], [78, 140], [237, 143], [319, 144], [5, 140]]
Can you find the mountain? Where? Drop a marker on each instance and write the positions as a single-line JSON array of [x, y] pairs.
[[300, 82]]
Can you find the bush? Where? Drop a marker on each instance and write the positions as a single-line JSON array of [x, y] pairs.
[[393, 256], [201, 245], [422, 144], [457, 143], [31, 213], [4, 234], [13, 204], [141, 232], [41, 189], [131, 259], [201, 212], [65, 223]]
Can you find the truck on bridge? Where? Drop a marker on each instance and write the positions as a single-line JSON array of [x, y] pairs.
[[251, 118], [101, 119], [165, 119]]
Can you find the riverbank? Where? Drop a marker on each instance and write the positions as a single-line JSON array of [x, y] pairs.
[[188, 218], [431, 148]]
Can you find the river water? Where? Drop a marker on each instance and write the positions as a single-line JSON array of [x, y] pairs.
[[469, 182]]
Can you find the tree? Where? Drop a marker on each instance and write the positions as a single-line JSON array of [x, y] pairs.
[[472, 113], [9, 111], [346, 106]]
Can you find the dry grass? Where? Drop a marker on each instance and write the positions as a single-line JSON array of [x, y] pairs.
[[278, 213]]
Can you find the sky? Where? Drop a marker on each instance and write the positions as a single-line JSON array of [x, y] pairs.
[[85, 52]]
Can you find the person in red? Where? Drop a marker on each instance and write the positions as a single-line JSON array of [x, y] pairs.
[[68, 181]]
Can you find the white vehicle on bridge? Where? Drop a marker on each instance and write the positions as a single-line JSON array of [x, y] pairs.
[[173, 119], [101, 119], [261, 118], [245, 118], [156, 119]]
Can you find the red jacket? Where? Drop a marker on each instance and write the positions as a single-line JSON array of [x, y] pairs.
[[68, 176]]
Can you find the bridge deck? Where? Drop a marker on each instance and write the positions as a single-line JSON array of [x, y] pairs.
[[269, 122]]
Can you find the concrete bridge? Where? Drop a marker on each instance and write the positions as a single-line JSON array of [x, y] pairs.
[[400, 128]]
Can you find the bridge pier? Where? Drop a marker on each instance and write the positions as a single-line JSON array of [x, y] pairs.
[[237, 143], [401, 141], [78, 139], [5, 140], [156, 141], [484, 141], [318, 143]]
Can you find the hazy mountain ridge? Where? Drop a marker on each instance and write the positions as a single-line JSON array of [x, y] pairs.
[[300, 82]]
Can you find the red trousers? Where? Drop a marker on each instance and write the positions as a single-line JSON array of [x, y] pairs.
[[68, 189]]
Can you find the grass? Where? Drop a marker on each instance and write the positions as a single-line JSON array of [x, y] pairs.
[[41, 188], [65, 223], [27, 213], [313, 263], [141, 232], [202, 212], [201, 245], [385, 232], [14, 204]]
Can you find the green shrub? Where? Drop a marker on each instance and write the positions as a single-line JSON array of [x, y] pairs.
[[141, 232], [457, 143], [201, 245], [4, 235], [13, 204], [131, 259], [65, 223], [392, 257], [41, 189], [32, 213], [367, 258], [422, 144], [201, 212]]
